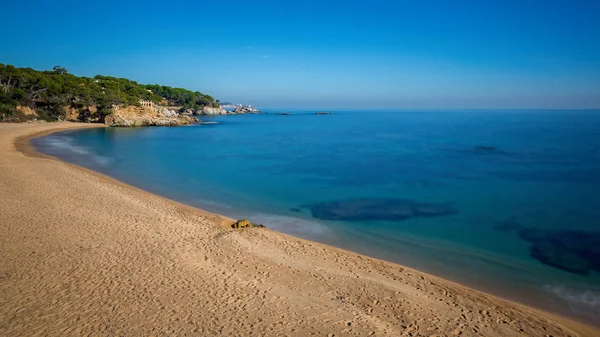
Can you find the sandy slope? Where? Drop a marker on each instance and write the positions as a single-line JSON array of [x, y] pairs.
[[82, 254]]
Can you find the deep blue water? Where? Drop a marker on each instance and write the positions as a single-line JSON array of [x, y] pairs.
[[516, 179]]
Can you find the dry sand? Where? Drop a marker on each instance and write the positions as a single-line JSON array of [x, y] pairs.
[[82, 254]]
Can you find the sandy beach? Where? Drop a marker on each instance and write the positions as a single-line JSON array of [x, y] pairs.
[[82, 254]]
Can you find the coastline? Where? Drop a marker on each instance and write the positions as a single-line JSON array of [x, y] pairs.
[[302, 277], [23, 145]]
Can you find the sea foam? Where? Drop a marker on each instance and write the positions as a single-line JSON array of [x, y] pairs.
[[587, 298], [292, 225], [62, 144]]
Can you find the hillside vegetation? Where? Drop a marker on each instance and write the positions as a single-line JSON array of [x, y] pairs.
[[51, 93]]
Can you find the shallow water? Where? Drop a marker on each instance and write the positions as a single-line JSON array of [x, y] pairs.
[[501, 171]]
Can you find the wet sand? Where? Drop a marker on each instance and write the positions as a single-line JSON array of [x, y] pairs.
[[83, 254]]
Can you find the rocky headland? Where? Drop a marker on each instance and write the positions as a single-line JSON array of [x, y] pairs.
[[144, 114], [147, 116], [154, 115], [29, 95]]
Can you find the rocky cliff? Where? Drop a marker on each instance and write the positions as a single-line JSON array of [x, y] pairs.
[[26, 111], [82, 114], [146, 116], [23, 113]]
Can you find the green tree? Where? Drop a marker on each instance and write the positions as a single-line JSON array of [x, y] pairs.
[[59, 70]]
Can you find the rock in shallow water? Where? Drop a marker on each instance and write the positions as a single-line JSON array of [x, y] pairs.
[[378, 209], [246, 224]]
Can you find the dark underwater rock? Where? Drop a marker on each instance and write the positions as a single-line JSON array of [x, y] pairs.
[[485, 148], [488, 150], [297, 210], [377, 209], [574, 251], [564, 259], [508, 225], [534, 235]]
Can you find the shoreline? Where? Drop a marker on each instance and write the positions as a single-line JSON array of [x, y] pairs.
[[23, 145], [244, 238]]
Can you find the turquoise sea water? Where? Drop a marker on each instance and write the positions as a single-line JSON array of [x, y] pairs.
[[524, 185]]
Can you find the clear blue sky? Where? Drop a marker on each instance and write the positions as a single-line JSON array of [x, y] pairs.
[[325, 54]]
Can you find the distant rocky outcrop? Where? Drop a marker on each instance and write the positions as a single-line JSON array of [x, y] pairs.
[[146, 116], [245, 224], [245, 109], [208, 111], [322, 113]]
